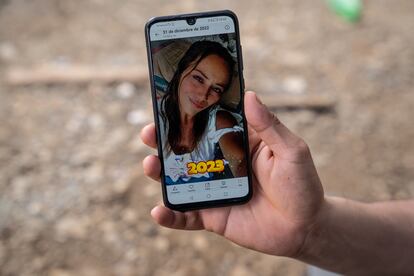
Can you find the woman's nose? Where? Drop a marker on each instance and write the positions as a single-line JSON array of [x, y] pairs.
[[204, 92]]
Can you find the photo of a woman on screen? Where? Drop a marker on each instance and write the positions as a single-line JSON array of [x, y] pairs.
[[194, 126]]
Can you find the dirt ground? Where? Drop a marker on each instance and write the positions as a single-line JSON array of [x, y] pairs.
[[73, 198]]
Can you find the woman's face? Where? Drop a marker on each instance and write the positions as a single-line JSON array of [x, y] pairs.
[[203, 86]]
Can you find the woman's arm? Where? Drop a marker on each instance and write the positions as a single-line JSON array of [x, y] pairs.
[[231, 144]]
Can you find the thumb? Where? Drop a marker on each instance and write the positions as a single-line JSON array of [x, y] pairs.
[[273, 133]]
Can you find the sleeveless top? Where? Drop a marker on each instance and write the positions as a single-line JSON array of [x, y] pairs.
[[175, 166]]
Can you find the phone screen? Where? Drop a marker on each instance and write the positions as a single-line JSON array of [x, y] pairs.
[[198, 94]]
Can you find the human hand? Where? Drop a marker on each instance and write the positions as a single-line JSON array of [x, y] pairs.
[[287, 193]]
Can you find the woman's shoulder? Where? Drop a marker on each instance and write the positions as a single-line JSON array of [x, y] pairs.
[[224, 119]]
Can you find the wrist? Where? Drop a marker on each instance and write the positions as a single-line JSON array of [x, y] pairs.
[[329, 238], [351, 237], [318, 233]]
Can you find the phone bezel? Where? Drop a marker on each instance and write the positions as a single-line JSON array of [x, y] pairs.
[[212, 203]]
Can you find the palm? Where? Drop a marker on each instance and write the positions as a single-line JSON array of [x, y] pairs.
[[273, 217], [287, 193]]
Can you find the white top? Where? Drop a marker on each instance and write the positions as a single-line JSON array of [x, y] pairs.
[[175, 166]]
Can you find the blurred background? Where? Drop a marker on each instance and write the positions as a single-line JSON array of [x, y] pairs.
[[74, 94]]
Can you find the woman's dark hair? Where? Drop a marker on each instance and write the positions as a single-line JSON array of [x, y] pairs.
[[171, 113]]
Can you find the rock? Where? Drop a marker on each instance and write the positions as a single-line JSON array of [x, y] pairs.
[[7, 51], [294, 59], [32, 230], [20, 185], [151, 189], [63, 61], [75, 123], [94, 173], [124, 268], [35, 208], [107, 226], [322, 159], [138, 117], [294, 85], [131, 254], [82, 157], [161, 244], [116, 137], [101, 195], [129, 215], [200, 242], [60, 272], [71, 227], [2, 253], [121, 186], [149, 229], [38, 263], [240, 270], [89, 270], [137, 146], [96, 121], [110, 233], [125, 90]]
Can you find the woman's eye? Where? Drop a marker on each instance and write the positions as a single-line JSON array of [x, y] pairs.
[[217, 90], [198, 78]]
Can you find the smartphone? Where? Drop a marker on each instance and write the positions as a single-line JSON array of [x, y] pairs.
[[196, 75]]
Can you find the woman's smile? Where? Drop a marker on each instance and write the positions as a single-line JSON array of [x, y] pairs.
[[198, 104]]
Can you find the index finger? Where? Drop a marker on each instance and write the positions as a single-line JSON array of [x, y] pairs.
[[148, 135]]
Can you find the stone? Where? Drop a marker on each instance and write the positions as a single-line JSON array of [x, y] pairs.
[[131, 254], [294, 84], [293, 59], [35, 208], [116, 137], [71, 227], [121, 186], [240, 270], [110, 232], [96, 121], [94, 173], [124, 268], [129, 215], [60, 272], [2, 253], [138, 117], [7, 51], [151, 189], [200, 242], [162, 244], [137, 146], [20, 185], [125, 90]]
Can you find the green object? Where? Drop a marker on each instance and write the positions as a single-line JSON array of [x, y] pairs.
[[350, 10]]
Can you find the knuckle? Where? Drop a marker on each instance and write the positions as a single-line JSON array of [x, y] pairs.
[[302, 146], [300, 150]]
